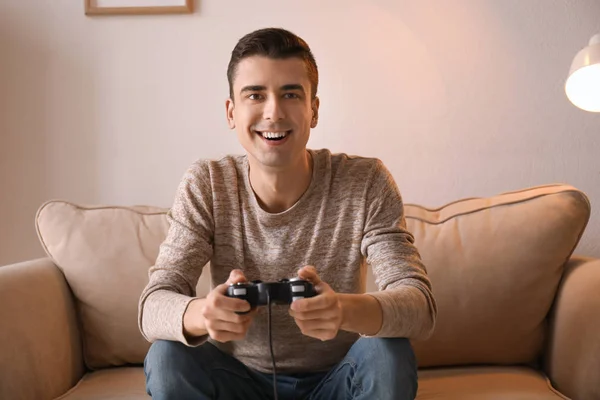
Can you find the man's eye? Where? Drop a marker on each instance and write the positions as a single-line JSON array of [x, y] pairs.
[[290, 96], [254, 96]]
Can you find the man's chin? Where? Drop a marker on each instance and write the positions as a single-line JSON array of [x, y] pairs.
[[275, 161]]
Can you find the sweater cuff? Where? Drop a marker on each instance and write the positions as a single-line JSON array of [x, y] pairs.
[[191, 341], [405, 313], [387, 329], [165, 310]]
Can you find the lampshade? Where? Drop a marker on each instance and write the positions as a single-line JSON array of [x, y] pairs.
[[583, 84]]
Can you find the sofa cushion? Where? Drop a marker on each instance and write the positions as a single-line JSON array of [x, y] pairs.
[[476, 383], [495, 264], [105, 254], [445, 383], [110, 384]]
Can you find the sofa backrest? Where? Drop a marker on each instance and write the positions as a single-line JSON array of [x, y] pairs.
[[495, 264], [104, 253]]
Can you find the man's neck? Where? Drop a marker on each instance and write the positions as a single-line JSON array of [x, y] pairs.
[[279, 189]]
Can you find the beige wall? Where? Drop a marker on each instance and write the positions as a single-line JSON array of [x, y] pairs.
[[459, 98]]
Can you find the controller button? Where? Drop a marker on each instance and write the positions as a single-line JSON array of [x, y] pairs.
[[297, 298], [298, 289], [239, 291]]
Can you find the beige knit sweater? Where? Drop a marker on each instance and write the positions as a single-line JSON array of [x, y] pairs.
[[349, 218]]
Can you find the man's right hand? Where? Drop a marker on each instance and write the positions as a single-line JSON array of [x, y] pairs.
[[216, 314]]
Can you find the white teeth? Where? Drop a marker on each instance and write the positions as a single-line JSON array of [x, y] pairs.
[[273, 135]]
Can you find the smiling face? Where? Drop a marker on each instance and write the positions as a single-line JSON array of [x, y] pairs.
[[272, 110]]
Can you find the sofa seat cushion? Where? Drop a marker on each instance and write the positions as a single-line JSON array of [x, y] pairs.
[[485, 383], [476, 383], [495, 264], [110, 384]]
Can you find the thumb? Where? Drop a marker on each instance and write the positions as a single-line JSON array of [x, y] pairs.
[[236, 276], [309, 273]]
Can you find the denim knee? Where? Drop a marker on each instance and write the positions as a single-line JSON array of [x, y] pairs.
[[164, 355], [385, 350], [386, 362], [167, 366]]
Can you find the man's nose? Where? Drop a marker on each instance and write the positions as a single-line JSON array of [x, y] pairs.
[[273, 110]]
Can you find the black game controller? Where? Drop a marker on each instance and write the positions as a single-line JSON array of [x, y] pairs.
[[258, 293]]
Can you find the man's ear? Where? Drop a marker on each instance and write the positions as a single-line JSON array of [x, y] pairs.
[[229, 108], [315, 111]]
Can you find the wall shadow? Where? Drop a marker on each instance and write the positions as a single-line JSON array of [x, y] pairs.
[[46, 136]]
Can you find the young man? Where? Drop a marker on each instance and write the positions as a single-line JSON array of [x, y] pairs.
[[284, 211]]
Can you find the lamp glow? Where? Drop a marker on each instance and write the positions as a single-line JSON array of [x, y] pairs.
[[583, 84]]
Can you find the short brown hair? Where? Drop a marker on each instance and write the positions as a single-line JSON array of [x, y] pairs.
[[274, 43]]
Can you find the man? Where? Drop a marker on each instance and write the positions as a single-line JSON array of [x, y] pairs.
[[285, 211]]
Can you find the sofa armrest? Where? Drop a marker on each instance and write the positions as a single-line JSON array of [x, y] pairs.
[[40, 347], [573, 351]]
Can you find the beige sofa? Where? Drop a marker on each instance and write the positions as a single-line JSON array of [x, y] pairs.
[[519, 314]]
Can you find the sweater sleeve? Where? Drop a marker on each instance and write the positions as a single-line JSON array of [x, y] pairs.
[[405, 292], [181, 258]]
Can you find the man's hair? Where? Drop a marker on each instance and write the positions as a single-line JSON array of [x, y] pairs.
[[274, 43]]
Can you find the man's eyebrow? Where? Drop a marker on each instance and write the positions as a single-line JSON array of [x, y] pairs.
[[253, 88], [259, 88], [293, 86]]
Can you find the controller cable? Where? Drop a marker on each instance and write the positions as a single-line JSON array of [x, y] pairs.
[[271, 348]]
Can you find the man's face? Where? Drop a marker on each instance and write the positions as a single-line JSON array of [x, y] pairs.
[[272, 109]]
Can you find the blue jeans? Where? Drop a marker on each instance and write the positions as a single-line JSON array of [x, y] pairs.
[[374, 368]]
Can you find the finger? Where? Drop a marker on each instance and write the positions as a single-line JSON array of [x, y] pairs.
[[318, 302], [236, 318], [221, 290], [317, 324], [223, 337], [217, 316], [309, 273], [226, 326], [236, 276], [222, 302], [326, 314], [321, 334]]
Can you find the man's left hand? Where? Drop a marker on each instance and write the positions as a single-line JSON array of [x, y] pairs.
[[319, 317]]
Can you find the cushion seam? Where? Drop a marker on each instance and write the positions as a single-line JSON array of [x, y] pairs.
[[104, 207], [583, 197], [462, 200]]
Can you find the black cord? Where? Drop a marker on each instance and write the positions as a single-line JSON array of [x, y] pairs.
[[271, 348]]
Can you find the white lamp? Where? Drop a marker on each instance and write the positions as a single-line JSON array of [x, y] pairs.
[[583, 84]]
